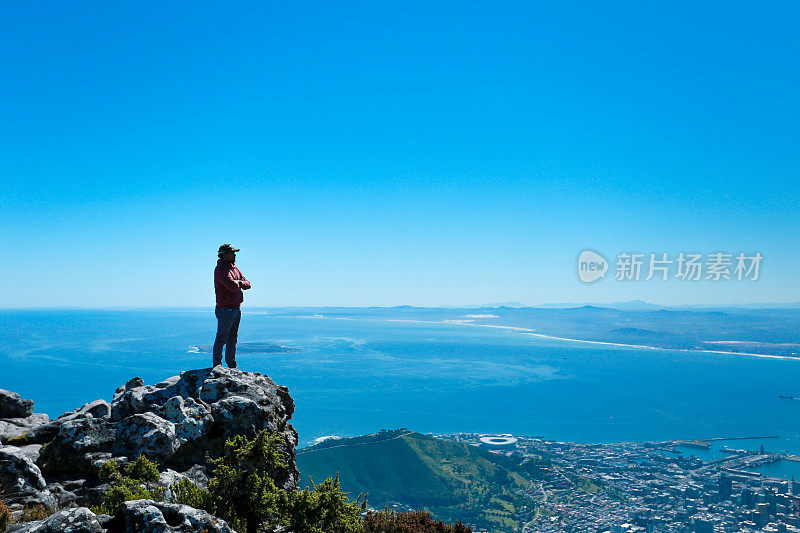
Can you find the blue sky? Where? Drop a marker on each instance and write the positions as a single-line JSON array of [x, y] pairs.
[[384, 153]]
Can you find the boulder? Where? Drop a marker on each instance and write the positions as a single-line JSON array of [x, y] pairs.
[[31, 451], [47, 430], [131, 383], [18, 472], [10, 430], [14, 428], [76, 447], [77, 520], [41, 434], [192, 419], [95, 409], [145, 434], [12, 405], [21, 480], [148, 516], [64, 498], [33, 420]]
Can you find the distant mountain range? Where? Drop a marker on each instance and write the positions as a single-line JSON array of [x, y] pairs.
[[627, 305]]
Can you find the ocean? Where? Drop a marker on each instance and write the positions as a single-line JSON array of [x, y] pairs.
[[352, 375]]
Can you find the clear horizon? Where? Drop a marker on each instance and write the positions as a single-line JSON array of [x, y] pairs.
[[384, 155], [554, 305]]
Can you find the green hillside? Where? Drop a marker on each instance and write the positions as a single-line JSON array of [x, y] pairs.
[[454, 481]]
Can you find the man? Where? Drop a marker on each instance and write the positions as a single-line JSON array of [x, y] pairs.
[[228, 285]]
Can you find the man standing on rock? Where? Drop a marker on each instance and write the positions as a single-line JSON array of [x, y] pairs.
[[228, 285]]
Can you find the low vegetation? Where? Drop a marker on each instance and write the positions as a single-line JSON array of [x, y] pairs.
[[29, 514], [35, 512], [133, 481], [242, 492], [5, 517], [414, 522]]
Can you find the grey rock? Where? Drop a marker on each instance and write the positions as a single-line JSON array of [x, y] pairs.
[[41, 434], [41, 498], [34, 419], [16, 427], [77, 520], [47, 430], [9, 430], [145, 434], [72, 448], [21, 480], [94, 493], [64, 498], [147, 516], [169, 477], [31, 451], [18, 472], [131, 383], [192, 419], [198, 474], [266, 528], [13, 428], [104, 519], [95, 409], [12, 405]]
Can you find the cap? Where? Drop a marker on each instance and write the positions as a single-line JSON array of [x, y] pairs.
[[225, 248]]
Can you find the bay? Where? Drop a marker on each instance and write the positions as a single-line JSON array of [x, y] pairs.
[[357, 374]]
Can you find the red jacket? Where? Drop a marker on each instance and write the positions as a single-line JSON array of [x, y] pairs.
[[229, 292]]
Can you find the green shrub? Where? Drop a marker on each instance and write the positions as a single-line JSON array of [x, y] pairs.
[[5, 516], [188, 493], [242, 492], [109, 471], [126, 489], [142, 469], [134, 481], [415, 522], [241, 488], [324, 509]]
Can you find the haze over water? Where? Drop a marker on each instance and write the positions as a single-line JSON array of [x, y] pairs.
[[356, 375]]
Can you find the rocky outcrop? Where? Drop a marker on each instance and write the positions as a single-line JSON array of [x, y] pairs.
[[17, 416], [147, 516], [12, 405], [137, 516], [176, 423], [179, 423]]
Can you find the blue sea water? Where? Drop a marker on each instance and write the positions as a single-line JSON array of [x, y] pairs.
[[356, 375]]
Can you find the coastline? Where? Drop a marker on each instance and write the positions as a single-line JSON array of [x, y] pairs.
[[528, 331]]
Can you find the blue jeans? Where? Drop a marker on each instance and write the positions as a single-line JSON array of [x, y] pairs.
[[227, 334]]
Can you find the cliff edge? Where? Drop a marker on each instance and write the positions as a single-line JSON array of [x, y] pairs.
[[180, 423]]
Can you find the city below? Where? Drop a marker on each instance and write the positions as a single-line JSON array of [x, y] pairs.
[[647, 487]]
